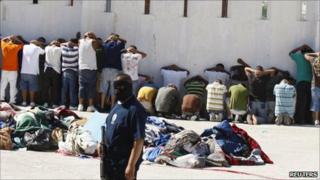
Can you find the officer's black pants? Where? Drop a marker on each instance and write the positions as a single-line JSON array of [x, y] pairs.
[[115, 169]]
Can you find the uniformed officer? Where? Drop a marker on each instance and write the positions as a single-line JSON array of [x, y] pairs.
[[125, 132]]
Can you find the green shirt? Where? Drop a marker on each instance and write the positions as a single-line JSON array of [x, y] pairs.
[[196, 87], [304, 70], [239, 97]]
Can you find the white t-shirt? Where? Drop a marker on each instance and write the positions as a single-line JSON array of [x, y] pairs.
[[53, 58], [87, 55], [130, 64], [30, 59], [175, 77]]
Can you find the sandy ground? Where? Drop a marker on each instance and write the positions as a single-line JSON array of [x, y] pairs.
[[294, 148]]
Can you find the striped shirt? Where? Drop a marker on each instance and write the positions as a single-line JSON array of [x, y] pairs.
[[70, 57], [215, 99], [285, 99], [196, 87]]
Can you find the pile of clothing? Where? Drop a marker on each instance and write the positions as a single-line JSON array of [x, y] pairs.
[[222, 146], [42, 129]]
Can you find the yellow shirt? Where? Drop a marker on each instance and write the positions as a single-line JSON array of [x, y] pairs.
[[147, 94]]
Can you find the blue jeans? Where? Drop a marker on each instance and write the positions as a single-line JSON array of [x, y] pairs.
[[259, 109], [315, 101], [135, 87], [69, 83]]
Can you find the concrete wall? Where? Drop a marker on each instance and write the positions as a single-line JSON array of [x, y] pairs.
[[199, 41], [51, 19]]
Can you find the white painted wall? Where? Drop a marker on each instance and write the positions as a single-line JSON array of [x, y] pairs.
[[199, 41], [51, 19]]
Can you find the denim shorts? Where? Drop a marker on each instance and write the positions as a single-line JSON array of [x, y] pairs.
[[315, 102], [87, 83], [28, 82]]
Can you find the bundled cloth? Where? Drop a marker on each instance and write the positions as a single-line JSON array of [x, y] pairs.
[[5, 138], [7, 110], [238, 146], [9, 122], [186, 149], [222, 145], [78, 141], [35, 119], [40, 140], [186, 141], [158, 131], [35, 129], [163, 125], [185, 161]]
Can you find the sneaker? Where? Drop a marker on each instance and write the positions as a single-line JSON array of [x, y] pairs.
[[279, 119], [211, 117], [317, 122], [80, 107], [46, 105], [194, 118], [32, 104], [219, 117], [90, 109], [287, 120], [24, 103], [73, 108]]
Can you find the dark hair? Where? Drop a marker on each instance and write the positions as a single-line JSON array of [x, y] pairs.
[[124, 77], [219, 81], [276, 71], [74, 40], [22, 39], [114, 34], [133, 46], [259, 68], [42, 39], [306, 50], [244, 85], [61, 40], [78, 35], [220, 65]]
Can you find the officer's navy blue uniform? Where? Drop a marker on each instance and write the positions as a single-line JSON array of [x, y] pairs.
[[124, 124]]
